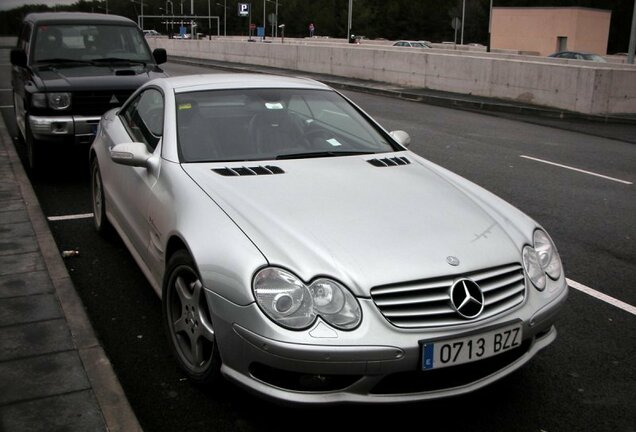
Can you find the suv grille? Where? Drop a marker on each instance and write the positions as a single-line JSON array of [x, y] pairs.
[[427, 303], [92, 103]]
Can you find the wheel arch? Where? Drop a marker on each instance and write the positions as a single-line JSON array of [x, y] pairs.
[[174, 244]]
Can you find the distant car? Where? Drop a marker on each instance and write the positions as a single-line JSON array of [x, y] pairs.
[[68, 69], [151, 33], [575, 55], [302, 251], [411, 44]]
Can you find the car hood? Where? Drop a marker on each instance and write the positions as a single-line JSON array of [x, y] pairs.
[[96, 77], [364, 225]]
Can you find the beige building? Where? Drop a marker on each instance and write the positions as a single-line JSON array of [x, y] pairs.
[[549, 29]]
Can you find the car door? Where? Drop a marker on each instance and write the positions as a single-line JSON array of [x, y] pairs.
[[130, 187]]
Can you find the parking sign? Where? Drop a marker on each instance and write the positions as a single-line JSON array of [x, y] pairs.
[[243, 9]]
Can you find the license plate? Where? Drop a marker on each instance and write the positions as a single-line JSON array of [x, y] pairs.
[[453, 352]]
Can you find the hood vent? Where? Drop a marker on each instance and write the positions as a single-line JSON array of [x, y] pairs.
[[249, 171], [389, 162]]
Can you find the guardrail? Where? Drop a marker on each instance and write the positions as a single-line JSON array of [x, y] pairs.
[[585, 88]]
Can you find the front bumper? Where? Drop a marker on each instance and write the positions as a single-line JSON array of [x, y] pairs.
[[80, 129], [376, 363]]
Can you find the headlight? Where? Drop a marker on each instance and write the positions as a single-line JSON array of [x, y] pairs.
[[548, 255], [56, 101], [533, 268], [541, 259], [289, 302], [59, 101]]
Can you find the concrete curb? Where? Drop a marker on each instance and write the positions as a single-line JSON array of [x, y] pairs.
[[116, 410]]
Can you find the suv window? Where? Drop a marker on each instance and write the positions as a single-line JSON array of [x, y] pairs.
[[88, 42], [143, 117]]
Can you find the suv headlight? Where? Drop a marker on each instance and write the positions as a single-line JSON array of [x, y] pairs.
[[59, 101], [291, 303], [541, 260]]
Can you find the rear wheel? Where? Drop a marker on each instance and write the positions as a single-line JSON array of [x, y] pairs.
[[187, 321]]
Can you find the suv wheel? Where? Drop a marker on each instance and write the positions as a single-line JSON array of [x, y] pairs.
[[33, 149]]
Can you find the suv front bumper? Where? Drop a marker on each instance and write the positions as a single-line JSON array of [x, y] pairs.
[[53, 128]]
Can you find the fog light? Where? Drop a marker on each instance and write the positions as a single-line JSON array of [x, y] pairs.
[[60, 128]]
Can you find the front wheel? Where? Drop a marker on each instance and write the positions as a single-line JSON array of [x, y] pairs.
[[33, 149], [187, 321], [100, 221]]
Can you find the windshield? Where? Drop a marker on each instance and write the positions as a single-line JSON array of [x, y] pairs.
[[260, 124], [88, 43]]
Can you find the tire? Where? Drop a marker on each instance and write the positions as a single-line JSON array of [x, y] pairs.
[[15, 117], [187, 321], [34, 150], [102, 225]]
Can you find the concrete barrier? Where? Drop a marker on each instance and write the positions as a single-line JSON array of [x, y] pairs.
[[584, 87], [8, 41]]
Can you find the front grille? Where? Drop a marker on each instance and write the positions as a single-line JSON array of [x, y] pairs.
[[92, 103], [297, 381], [426, 303]]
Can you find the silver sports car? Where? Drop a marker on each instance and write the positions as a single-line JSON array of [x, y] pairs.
[[303, 252]]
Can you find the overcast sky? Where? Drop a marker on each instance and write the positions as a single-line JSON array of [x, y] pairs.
[[10, 4]]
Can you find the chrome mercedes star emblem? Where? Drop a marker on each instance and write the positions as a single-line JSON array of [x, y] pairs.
[[467, 298], [454, 261]]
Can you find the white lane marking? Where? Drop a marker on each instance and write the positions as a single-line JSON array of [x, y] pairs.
[[577, 169], [6, 106], [70, 217], [604, 297]]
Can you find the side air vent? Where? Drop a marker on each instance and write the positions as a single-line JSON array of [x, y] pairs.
[[389, 162], [249, 171]]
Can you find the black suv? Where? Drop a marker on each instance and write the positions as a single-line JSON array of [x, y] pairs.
[[68, 69]]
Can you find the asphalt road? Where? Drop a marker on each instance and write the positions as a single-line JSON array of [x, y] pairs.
[[585, 381]]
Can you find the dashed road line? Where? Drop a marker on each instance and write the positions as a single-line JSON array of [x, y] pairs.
[[603, 297], [70, 217], [577, 169]]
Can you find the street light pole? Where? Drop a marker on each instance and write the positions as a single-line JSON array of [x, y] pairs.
[[463, 16], [264, 22], [632, 38], [490, 26], [349, 20], [276, 20]]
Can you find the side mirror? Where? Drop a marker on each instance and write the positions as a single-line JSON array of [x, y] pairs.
[[160, 55], [403, 138], [18, 57], [132, 154]]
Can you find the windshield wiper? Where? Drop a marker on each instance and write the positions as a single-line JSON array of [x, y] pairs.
[[60, 60], [117, 60], [322, 154]]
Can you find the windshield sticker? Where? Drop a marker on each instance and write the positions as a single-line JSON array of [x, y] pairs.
[[274, 105], [185, 106], [334, 142]]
